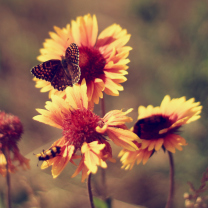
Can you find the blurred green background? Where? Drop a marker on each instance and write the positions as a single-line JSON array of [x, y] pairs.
[[169, 56]]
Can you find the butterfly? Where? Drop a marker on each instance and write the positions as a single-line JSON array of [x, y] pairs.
[[60, 73]]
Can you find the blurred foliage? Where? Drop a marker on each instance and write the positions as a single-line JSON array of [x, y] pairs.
[[100, 203], [196, 197], [169, 56]]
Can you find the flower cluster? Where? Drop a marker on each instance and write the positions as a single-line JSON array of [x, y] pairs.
[[85, 135]]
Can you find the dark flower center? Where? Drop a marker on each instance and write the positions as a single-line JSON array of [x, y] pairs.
[[79, 127], [150, 127], [91, 62]]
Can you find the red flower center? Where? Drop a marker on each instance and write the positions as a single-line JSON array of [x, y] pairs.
[[149, 128], [79, 127], [91, 63]]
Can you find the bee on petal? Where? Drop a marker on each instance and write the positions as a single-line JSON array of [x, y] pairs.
[[48, 154]]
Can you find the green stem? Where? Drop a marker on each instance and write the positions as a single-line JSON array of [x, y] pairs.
[[90, 191], [171, 189]]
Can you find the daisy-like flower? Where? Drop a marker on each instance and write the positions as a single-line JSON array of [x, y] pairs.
[[84, 132], [102, 58], [11, 130], [158, 127]]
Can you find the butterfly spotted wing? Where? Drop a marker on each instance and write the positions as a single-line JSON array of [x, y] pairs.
[[61, 73], [72, 56]]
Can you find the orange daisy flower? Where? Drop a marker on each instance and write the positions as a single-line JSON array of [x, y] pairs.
[[84, 132], [102, 58], [11, 130], [159, 127]]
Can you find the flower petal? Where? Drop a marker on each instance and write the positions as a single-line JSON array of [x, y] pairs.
[[123, 138]]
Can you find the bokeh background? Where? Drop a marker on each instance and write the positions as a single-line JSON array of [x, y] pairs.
[[169, 56]]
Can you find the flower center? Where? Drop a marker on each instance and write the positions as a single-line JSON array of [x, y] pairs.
[[150, 127], [91, 63], [79, 127]]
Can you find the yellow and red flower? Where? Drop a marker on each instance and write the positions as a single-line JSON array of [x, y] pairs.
[[11, 130], [158, 127], [84, 132], [102, 58]]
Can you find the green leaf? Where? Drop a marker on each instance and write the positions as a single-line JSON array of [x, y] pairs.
[[99, 203]]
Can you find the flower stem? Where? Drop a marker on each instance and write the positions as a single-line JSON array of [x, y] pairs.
[[103, 106], [8, 180], [103, 175], [103, 180], [171, 190], [90, 191]]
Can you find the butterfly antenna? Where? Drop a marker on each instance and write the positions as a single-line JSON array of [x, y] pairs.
[[66, 43]]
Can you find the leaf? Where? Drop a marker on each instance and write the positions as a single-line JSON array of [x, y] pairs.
[[99, 203]]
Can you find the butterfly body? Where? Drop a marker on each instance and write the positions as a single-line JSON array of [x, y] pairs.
[[60, 73], [68, 67]]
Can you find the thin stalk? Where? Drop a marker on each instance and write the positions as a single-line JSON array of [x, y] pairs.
[[103, 180], [103, 106], [103, 175], [90, 191], [171, 188], [8, 180]]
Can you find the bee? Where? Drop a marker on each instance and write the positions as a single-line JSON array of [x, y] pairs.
[[48, 154]]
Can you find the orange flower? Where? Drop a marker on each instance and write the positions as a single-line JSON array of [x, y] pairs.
[[11, 130], [84, 131], [159, 127], [102, 58]]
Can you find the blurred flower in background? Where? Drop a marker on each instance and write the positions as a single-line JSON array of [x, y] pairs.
[[102, 58], [159, 127], [84, 131], [11, 130]]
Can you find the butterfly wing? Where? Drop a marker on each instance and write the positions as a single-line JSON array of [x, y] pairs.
[[72, 53], [60, 80], [46, 70], [72, 57], [75, 73]]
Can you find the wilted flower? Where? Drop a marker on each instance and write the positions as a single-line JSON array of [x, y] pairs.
[[11, 130]]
